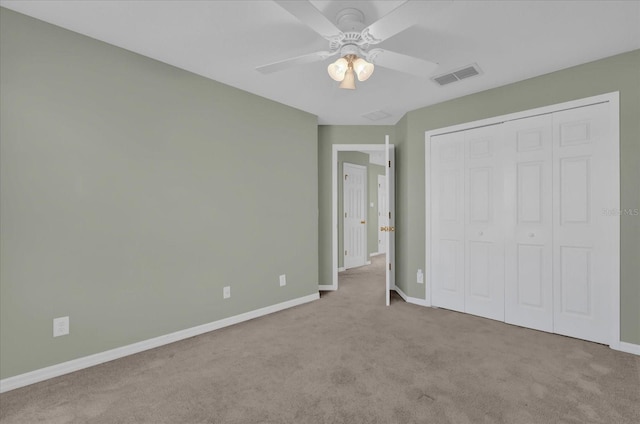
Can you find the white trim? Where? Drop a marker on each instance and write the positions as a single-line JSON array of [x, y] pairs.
[[52, 371], [409, 299], [368, 263], [376, 254], [614, 121], [335, 148], [628, 347], [342, 269], [613, 99], [326, 287]]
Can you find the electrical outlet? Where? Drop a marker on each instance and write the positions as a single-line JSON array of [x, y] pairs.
[[60, 326], [283, 280], [420, 277], [226, 292]]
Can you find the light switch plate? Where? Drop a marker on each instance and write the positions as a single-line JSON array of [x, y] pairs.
[[226, 292], [283, 280], [60, 326]]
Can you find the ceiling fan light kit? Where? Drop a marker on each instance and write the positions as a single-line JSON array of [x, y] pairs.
[[350, 39], [343, 70]]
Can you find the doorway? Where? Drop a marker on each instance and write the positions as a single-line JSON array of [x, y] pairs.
[[382, 156]]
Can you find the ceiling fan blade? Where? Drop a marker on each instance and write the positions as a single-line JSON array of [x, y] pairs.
[[399, 19], [294, 61], [312, 17], [402, 62]]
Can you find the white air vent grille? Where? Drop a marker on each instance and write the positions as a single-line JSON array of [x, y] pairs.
[[457, 75], [376, 115]]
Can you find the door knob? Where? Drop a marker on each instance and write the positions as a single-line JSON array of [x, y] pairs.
[[363, 222], [481, 233], [532, 234]]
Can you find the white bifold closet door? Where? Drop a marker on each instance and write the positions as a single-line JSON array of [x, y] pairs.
[[584, 266], [528, 222], [447, 217], [484, 235], [519, 229], [468, 239]]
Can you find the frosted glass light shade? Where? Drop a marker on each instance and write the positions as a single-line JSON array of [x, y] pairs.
[[349, 81], [338, 68], [363, 69]]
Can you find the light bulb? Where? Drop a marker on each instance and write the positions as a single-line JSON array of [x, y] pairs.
[[338, 68], [363, 69], [349, 81]]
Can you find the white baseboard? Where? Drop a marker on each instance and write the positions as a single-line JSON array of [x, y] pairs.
[[368, 263], [326, 287], [376, 253], [409, 299], [629, 348], [52, 371], [341, 269]]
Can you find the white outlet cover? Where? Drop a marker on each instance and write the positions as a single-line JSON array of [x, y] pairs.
[[283, 280], [60, 326], [226, 292], [420, 277]]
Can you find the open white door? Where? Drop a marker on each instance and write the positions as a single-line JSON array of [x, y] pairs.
[[390, 229]]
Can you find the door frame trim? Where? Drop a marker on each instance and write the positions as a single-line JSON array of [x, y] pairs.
[[613, 99], [334, 202]]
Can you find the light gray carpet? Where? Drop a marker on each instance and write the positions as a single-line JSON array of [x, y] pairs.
[[347, 358]]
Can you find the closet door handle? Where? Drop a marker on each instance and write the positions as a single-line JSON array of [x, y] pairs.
[[532, 235], [481, 233]]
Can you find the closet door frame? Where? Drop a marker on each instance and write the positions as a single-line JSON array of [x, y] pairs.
[[613, 99]]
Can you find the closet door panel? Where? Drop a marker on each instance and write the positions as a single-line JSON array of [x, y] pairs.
[[583, 235], [528, 223], [447, 221], [484, 244]]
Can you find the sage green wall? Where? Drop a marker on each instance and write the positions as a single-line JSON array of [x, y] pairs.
[[372, 221], [133, 191], [328, 135], [355, 158], [617, 73]]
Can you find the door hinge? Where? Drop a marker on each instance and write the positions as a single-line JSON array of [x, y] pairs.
[[345, 176], [389, 164], [389, 215], [345, 214], [389, 266]]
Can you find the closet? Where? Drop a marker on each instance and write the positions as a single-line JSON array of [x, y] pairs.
[[517, 222]]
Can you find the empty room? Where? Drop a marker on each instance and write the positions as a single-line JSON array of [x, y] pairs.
[[267, 211]]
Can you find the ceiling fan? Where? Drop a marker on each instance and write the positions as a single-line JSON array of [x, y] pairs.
[[351, 40]]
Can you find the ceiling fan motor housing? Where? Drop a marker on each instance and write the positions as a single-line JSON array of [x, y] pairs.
[[351, 23]]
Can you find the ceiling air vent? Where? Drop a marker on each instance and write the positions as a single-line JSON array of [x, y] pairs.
[[377, 115], [457, 75]]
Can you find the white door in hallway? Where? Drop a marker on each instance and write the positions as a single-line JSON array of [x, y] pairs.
[[584, 237], [528, 223], [390, 177], [483, 223], [447, 221], [354, 214], [383, 213]]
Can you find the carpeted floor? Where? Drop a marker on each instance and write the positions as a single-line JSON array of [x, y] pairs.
[[347, 358]]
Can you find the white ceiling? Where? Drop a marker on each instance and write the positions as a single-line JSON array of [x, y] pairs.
[[227, 40]]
